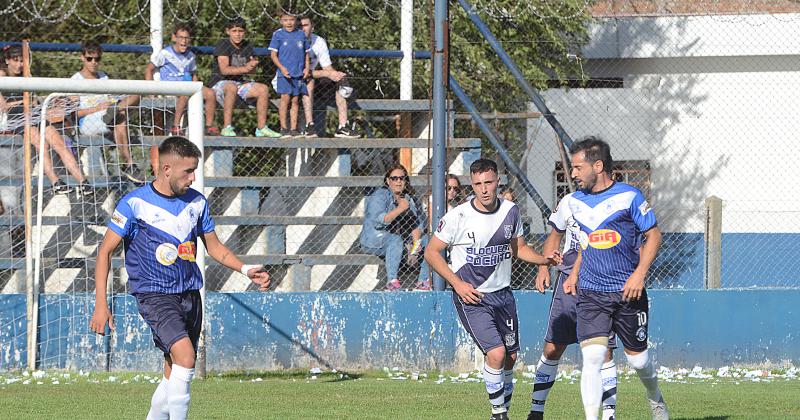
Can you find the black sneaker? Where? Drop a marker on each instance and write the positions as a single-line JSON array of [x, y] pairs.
[[309, 130], [536, 415], [133, 173], [285, 133], [345, 132], [61, 188], [293, 133], [85, 189], [499, 416]]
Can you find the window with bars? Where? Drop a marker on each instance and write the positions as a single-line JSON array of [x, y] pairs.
[[633, 172]]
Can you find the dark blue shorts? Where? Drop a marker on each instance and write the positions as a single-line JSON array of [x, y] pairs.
[[172, 317], [291, 87], [562, 325], [492, 322], [600, 313]]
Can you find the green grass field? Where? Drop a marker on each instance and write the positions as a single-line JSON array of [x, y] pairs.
[[373, 395]]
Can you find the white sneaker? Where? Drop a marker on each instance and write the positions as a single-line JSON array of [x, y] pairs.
[[659, 409]]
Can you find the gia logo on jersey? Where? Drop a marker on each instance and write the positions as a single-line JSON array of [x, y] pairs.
[[604, 239]]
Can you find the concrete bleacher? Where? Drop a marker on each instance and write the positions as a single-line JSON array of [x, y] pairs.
[[304, 223]]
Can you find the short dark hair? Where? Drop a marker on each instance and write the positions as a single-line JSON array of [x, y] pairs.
[[11, 51], [594, 148], [301, 17], [91, 46], [236, 22], [178, 145], [482, 165], [180, 26]]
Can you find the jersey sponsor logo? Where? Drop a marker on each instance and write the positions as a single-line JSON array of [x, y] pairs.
[[644, 208], [118, 219], [604, 239], [166, 254], [187, 251], [489, 256]]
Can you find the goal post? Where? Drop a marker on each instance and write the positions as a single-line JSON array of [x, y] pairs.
[[68, 87]]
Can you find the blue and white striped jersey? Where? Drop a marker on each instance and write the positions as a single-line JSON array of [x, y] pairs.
[[479, 242], [562, 221], [160, 237], [611, 222]]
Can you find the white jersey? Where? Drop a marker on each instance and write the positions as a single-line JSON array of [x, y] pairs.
[[563, 221], [93, 124], [319, 53], [480, 251]]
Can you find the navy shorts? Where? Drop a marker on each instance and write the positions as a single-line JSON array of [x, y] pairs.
[[172, 316], [600, 313], [291, 87], [492, 322], [562, 325]]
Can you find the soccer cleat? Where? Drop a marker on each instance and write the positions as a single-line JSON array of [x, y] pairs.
[[61, 188], [212, 131], [133, 173], [84, 189], [309, 130], [228, 131], [659, 409], [393, 285], [536, 415], [499, 416], [345, 132], [266, 132]]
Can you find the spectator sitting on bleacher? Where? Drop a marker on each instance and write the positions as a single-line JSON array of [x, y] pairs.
[[392, 224], [289, 51], [320, 56], [96, 113], [231, 81], [11, 107], [506, 193], [177, 63]]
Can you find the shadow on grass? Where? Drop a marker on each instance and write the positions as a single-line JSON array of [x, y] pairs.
[[704, 418], [289, 374]]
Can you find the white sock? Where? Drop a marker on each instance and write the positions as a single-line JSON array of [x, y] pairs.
[[591, 384], [647, 374], [546, 371], [608, 374], [158, 404], [494, 387], [178, 392], [508, 387]]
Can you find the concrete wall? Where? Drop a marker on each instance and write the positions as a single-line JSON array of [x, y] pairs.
[[352, 331]]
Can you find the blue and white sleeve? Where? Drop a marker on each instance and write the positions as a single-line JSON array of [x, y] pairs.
[[641, 213], [122, 219]]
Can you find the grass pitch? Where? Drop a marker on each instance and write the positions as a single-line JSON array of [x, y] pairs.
[[374, 395]]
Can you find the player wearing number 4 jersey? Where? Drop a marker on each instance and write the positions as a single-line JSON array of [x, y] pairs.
[[483, 234], [159, 224], [613, 219]]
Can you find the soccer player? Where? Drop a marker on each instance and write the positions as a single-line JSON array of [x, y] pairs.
[[613, 218], [159, 224], [483, 234], [561, 324]]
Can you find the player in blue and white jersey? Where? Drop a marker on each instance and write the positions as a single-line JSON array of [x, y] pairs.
[[483, 234], [159, 224], [614, 218], [562, 321]]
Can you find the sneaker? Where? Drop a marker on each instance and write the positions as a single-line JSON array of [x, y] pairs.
[[176, 131], [293, 133], [133, 173], [228, 131], [267, 132], [309, 130], [212, 131], [423, 286], [84, 189], [536, 415], [285, 133], [393, 285], [61, 188], [345, 132], [659, 409]]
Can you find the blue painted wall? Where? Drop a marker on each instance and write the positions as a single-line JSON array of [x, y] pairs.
[[411, 330]]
